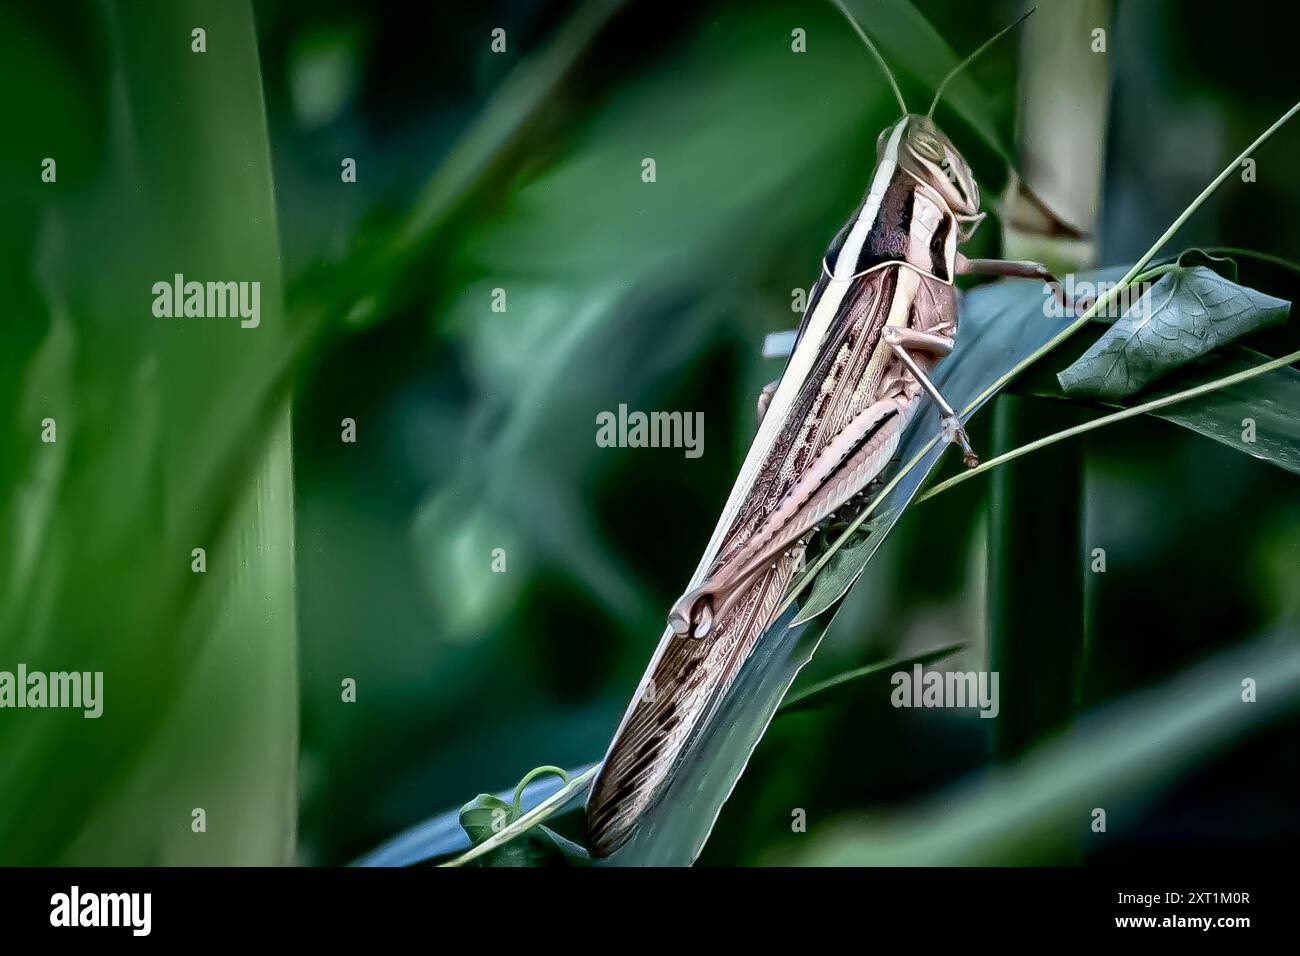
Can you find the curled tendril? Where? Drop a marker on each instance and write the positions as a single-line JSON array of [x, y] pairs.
[[528, 778]]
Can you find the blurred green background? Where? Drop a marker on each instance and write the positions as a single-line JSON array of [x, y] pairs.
[[475, 428]]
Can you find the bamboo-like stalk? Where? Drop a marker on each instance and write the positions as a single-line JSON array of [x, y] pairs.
[[1036, 601]]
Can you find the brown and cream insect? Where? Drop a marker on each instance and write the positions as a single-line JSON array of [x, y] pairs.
[[883, 311]]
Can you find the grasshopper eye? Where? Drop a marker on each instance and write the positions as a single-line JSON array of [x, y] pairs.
[[928, 148]]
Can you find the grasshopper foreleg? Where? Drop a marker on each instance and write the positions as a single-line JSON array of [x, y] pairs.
[[902, 341], [1020, 269]]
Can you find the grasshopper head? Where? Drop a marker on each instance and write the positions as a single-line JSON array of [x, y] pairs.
[[925, 152]]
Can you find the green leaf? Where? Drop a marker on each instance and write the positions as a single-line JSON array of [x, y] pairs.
[[173, 434], [1271, 400], [1191, 310], [848, 562], [822, 692], [1259, 417], [487, 815]]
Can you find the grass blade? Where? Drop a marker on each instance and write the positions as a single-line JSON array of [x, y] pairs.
[[816, 694], [1143, 409]]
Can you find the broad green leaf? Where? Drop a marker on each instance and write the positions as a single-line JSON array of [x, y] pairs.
[[1260, 417], [1190, 311], [172, 434]]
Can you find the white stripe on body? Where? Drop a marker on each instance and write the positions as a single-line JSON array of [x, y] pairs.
[[846, 263], [792, 382]]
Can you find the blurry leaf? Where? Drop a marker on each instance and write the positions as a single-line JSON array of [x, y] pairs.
[[600, 317], [1118, 757], [1190, 311], [454, 547], [244, 763], [823, 692], [172, 434], [369, 288], [323, 69]]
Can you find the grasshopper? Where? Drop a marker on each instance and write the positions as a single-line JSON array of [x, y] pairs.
[[882, 312]]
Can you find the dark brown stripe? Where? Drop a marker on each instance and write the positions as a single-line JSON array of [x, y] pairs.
[[888, 240], [938, 256]]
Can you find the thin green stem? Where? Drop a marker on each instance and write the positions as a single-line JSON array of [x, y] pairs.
[[1105, 420], [530, 777], [1235, 252], [800, 698], [1124, 283], [1155, 273], [525, 823]]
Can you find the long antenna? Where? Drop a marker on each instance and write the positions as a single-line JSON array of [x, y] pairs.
[[893, 84], [966, 62]]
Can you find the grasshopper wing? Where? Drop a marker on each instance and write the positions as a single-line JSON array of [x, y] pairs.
[[835, 376]]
